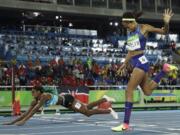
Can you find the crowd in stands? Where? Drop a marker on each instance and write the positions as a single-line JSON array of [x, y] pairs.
[[51, 59], [74, 73]]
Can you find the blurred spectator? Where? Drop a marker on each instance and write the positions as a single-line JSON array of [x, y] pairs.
[[81, 62], [173, 45], [22, 74]]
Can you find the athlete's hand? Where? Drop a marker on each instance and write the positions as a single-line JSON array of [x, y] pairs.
[[20, 123], [8, 123], [121, 68], [167, 15]]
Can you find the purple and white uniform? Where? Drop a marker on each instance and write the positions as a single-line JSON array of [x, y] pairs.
[[135, 42]]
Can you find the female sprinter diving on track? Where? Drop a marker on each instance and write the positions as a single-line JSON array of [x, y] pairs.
[[136, 44], [68, 101]]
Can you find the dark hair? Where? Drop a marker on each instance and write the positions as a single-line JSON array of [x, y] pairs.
[[38, 88], [133, 15]]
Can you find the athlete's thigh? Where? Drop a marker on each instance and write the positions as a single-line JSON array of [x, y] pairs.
[[148, 85], [145, 82], [136, 78]]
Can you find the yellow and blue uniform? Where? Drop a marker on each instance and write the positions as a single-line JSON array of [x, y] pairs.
[[67, 100], [52, 101]]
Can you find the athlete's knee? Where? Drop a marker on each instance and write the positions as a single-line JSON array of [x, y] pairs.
[[87, 113], [147, 92]]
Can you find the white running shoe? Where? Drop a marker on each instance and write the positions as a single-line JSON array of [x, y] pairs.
[[109, 99], [114, 114]]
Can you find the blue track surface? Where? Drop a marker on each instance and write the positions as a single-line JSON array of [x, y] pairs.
[[143, 123]]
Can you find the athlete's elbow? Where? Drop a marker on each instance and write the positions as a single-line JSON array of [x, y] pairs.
[[165, 32], [147, 93], [34, 110]]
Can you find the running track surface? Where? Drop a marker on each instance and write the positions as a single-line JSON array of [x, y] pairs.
[[143, 123]]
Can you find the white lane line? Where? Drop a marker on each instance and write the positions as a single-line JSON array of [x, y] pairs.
[[46, 117], [154, 131], [101, 124], [51, 120], [157, 116], [143, 125], [47, 127], [152, 118], [174, 129], [79, 123], [63, 132], [169, 124], [107, 122], [13, 134], [158, 112], [90, 124]]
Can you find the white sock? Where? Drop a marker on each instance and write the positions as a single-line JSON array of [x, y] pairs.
[[114, 114]]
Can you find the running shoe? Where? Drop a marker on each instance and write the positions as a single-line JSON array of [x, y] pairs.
[[122, 127], [114, 114], [168, 68]]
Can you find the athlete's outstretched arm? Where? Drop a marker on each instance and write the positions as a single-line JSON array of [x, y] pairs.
[[166, 18], [33, 111], [33, 103]]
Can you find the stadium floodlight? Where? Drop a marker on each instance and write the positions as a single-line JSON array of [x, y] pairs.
[[70, 24], [116, 23], [111, 23], [57, 17], [36, 14]]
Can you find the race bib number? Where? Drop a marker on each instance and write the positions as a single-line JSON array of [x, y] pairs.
[[133, 43], [143, 60], [77, 105]]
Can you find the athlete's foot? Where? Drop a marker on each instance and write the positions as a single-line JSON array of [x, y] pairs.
[[122, 127], [109, 99], [168, 68], [113, 113]]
